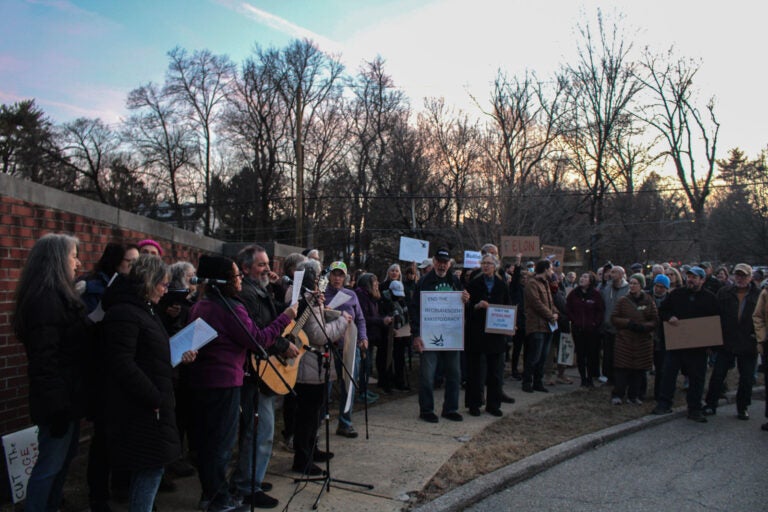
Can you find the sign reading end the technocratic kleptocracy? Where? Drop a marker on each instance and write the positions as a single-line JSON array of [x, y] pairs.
[[442, 320]]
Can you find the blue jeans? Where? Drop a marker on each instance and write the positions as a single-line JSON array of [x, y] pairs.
[[536, 350], [265, 430], [451, 365], [144, 485], [345, 418], [218, 411], [46, 483]]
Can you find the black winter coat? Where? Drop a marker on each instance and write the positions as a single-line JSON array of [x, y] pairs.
[[738, 333], [479, 340], [137, 360], [57, 340]]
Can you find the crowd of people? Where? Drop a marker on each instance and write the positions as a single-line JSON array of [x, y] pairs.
[[98, 346]]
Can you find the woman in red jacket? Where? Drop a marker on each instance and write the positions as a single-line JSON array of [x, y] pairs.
[[585, 309]]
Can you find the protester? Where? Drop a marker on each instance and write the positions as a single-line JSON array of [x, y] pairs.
[[49, 320], [438, 279], [141, 420], [540, 321], [586, 309], [395, 305], [635, 318], [376, 326], [685, 303], [737, 304], [660, 294], [615, 289], [484, 350], [150, 247], [217, 375]]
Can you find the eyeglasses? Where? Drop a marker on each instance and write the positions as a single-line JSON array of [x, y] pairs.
[[240, 275], [165, 285]]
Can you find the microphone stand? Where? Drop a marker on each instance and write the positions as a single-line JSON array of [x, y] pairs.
[[326, 479], [261, 353]]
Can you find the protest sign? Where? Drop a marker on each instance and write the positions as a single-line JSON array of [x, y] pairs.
[[442, 320]]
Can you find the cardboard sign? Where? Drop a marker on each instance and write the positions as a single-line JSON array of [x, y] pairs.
[[528, 246], [413, 249], [693, 333], [553, 252], [501, 319], [20, 457], [442, 320], [471, 259]]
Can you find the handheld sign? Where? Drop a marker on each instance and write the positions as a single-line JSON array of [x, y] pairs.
[[413, 249]]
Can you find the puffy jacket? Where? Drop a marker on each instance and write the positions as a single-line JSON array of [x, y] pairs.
[[539, 307], [586, 309]]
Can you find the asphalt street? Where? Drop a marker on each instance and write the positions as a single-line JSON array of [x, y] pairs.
[[677, 466]]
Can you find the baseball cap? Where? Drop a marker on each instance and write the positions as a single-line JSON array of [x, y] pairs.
[[442, 254], [338, 265], [743, 268], [697, 271], [636, 267], [396, 287], [425, 263]]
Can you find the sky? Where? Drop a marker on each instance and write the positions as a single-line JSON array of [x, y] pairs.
[[81, 58]]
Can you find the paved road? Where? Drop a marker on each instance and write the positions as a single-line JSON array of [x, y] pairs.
[[676, 466]]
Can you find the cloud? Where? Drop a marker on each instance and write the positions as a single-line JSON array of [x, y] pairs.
[[282, 25]]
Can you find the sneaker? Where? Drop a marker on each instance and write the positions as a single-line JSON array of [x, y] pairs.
[[346, 431], [226, 504], [709, 411], [616, 401], [429, 417], [603, 379], [260, 500], [743, 414], [659, 410], [453, 416]]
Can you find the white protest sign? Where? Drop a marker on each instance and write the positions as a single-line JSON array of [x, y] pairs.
[[20, 457], [472, 259], [413, 249], [501, 319], [194, 336], [442, 320]]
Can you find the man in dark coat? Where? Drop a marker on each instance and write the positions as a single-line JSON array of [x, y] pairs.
[[737, 303], [693, 301]]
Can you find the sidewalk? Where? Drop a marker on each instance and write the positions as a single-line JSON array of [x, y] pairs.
[[400, 456]]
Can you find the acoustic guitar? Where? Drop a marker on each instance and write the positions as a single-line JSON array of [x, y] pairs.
[[288, 368]]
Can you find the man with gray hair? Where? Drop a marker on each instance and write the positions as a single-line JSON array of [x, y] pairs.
[[614, 289]]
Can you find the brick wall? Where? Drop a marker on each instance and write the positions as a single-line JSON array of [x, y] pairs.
[[27, 212]]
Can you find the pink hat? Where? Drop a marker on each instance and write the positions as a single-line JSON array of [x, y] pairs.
[[151, 242]]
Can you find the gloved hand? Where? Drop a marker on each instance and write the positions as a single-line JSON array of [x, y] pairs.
[[59, 424]]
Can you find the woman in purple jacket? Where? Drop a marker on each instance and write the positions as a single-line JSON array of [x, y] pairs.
[[585, 308], [217, 374]]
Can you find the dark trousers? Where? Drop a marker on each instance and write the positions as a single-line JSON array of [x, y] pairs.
[[399, 349], [609, 340], [746, 365], [518, 340], [484, 369], [658, 366], [309, 402], [99, 470], [693, 361], [218, 418], [628, 381], [386, 374], [587, 353], [536, 350]]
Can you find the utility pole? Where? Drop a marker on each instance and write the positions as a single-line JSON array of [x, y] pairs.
[[299, 170]]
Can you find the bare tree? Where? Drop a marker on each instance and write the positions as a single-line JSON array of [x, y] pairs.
[[304, 77], [689, 134], [601, 88], [165, 142], [199, 83], [90, 148]]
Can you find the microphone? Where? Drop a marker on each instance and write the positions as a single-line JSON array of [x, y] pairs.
[[206, 280]]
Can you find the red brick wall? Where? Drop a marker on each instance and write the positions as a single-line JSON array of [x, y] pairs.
[[21, 224]]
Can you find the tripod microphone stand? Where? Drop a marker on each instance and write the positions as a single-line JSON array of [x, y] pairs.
[[327, 479]]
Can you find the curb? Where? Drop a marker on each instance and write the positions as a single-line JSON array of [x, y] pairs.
[[470, 493]]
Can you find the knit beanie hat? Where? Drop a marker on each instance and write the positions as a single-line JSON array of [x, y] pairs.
[[662, 280], [640, 278], [214, 267]]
